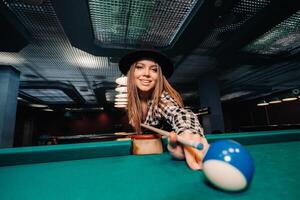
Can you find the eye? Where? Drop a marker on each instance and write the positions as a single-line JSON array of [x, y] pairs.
[[154, 69], [138, 66]]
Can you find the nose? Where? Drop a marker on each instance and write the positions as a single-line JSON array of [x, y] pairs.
[[146, 71]]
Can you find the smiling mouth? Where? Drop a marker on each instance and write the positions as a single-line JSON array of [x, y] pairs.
[[143, 82]]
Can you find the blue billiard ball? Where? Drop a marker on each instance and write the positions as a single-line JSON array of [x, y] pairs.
[[228, 165]]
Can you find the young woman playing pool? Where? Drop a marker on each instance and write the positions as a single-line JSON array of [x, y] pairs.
[[153, 101]]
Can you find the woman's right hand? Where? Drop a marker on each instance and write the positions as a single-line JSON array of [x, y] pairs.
[[192, 156]]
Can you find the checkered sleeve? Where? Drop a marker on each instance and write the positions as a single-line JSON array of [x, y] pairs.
[[179, 118]]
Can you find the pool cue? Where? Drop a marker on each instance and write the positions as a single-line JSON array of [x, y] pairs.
[[195, 144]]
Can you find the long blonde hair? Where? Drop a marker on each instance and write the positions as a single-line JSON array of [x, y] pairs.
[[134, 103]]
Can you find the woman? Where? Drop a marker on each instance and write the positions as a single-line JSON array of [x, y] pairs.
[[153, 101]]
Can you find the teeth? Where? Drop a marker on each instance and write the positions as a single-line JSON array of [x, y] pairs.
[[146, 81]]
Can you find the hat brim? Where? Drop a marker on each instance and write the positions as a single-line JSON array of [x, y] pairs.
[[163, 61]]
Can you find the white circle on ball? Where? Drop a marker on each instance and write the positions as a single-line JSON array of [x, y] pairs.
[[231, 150], [224, 175], [227, 158]]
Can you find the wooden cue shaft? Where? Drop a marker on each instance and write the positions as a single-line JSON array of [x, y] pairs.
[[195, 144], [157, 130]]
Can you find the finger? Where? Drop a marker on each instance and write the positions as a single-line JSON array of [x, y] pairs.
[[205, 146], [175, 150], [192, 158], [200, 153], [172, 139]]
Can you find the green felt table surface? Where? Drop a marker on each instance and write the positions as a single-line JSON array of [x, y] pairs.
[[105, 170]]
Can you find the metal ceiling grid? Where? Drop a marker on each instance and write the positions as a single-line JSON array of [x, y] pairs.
[[7, 58], [108, 71], [128, 24], [50, 52], [253, 76], [192, 66], [242, 70], [84, 91], [287, 79], [49, 95], [283, 38], [264, 76], [240, 12], [50, 56], [20, 63], [269, 78]]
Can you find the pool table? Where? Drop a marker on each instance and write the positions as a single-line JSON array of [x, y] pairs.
[[106, 170]]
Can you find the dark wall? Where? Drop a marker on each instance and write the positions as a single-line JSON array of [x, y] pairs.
[[238, 117], [248, 116], [61, 123]]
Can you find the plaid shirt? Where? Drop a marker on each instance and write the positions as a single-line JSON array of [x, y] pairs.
[[169, 111]]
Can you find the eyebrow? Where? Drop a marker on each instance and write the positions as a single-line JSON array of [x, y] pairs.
[[155, 65]]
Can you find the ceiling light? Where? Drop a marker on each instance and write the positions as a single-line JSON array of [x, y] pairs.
[[262, 103], [121, 103], [122, 80], [120, 106], [234, 95], [48, 110], [21, 99], [275, 100], [289, 98], [38, 105], [121, 89], [121, 99], [122, 95]]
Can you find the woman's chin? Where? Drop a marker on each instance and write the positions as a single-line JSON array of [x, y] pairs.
[[145, 90]]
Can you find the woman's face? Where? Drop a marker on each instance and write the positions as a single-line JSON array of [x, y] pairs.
[[145, 75]]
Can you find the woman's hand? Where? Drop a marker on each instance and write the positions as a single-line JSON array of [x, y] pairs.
[[192, 156]]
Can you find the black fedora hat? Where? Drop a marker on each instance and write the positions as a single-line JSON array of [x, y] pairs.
[[162, 60]]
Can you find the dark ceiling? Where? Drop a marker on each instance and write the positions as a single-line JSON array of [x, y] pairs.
[[67, 51]]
